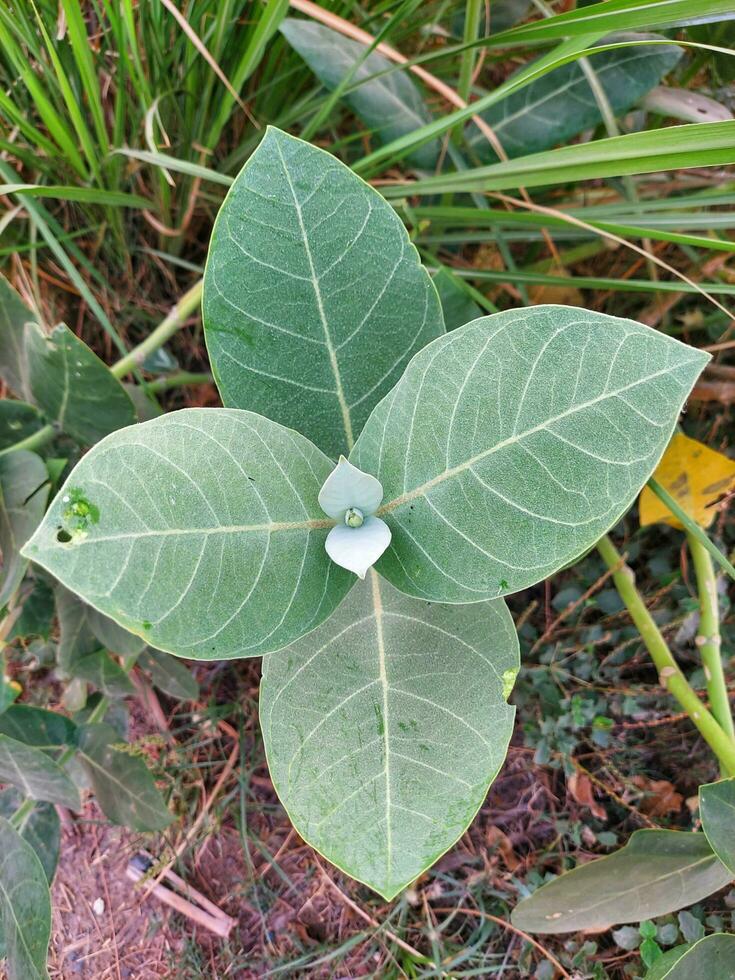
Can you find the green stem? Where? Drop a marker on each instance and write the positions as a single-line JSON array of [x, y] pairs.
[[177, 381], [669, 672], [34, 441], [709, 638], [691, 526], [165, 329]]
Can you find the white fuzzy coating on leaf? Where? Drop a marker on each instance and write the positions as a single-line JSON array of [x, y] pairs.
[[358, 548]]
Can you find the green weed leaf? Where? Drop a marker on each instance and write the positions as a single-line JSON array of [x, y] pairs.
[[717, 808], [73, 386], [23, 495], [658, 871], [390, 105], [25, 907], [122, 783], [36, 774]]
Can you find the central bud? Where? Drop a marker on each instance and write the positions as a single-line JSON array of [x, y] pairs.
[[353, 517]]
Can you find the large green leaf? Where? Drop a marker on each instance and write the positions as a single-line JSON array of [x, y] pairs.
[[14, 315], [658, 871], [391, 105], [717, 809], [35, 774], [25, 907], [73, 386], [314, 298], [512, 444], [201, 531], [23, 495], [561, 104], [122, 783], [385, 727], [41, 828], [18, 420], [711, 958]]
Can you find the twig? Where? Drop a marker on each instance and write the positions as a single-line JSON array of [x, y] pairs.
[[509, 925], [374, 922]]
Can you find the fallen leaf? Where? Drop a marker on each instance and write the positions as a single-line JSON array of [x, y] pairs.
[[496, 840], [695, 476], [580, 787], [660, 796]]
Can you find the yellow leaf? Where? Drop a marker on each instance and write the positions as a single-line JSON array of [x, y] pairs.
[[695, 476]]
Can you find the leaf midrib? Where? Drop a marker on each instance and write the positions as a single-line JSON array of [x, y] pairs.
[[383, 677], [453, 471], [270, 527], [334, 363]]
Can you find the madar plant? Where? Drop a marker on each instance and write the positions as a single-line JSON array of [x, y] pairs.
[[357, 511]]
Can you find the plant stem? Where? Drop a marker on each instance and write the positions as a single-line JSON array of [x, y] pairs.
[[669, 672], [34, 441], [691, 526], [709, 638], [165, 329], [177, 381]]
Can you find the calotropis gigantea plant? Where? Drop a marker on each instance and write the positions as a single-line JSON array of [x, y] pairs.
[[488, 458]]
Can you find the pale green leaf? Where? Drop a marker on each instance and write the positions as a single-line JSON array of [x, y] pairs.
[[512, 444], [385, 727], [18, 420], [201, 531], [36, 774], [122, 783], [114, 638], [710, 958], [657, 872], [37, 615], [390, 105], [103, 672], [76, 637], [717, 809], [73, 386], [25, 907], [314, 298], [561, 104], [14, 315], [169, 675], [41, 828], [23, 494]]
